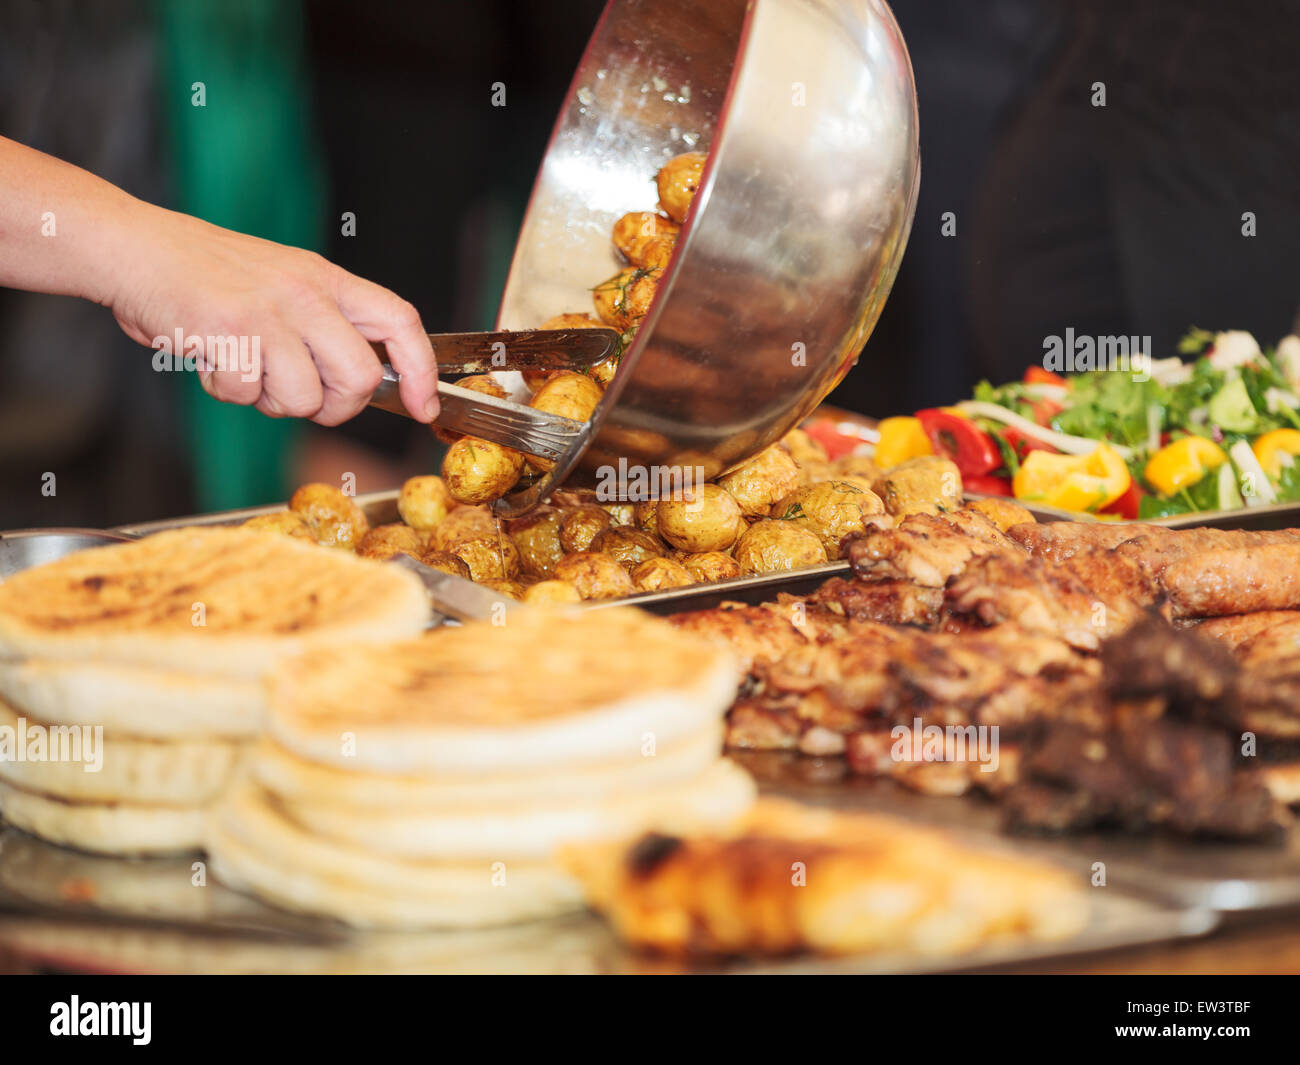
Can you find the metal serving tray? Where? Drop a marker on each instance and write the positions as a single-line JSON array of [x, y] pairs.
[[1195, 874], [67, 910]]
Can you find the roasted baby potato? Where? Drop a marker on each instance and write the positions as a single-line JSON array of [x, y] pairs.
[[568, 394], [581, 524], [1001, 512], [643, 237], [333, 518], [463, 523], [570, 321], [678, 180], [770, 545], [703, 518], [285, 522], [596, 576], [863, 466], [769, 476], [424, 502], [804, 448], [830, 511], [479, 471], [628, 547], [537, 536], [925, 485], [645, 516], [445, 561], [510, 589], [534, 379], [623, 300], [491, 558], [656, 573], [550, 593], [482, 383], [385, 541], [620, 513], [709, 566], [603, 372]]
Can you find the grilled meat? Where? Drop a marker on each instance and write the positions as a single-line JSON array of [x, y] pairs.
[[764, 632], [1059, 541], [1052, 599], [1163, 755], [894, 602], [1138, 775], [1237, 629], [1234, 580], [793, 877], [926, 549], [1153, 545]]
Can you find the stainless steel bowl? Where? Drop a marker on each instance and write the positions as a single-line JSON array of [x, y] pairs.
[[23, 548], [808, 111]]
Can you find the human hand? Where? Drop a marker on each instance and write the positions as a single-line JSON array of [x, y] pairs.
[[305, 322]]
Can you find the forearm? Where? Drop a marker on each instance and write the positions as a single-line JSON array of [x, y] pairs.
[[62, 229]]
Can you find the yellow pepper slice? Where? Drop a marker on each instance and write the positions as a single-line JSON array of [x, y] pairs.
[[901, 439], [1072, 482], [1270, 448], [1181, 464]]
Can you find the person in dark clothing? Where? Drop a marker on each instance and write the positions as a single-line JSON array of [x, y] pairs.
[[1115, 168]]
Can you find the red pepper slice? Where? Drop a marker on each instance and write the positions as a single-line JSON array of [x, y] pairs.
[[1037, 375], [986, 484], [1045, 410], [961, 440], [1022, 443], [828, 434], [1126, 506]]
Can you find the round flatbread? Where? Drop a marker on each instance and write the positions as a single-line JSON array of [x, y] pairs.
[[253, 847], [102, 828], [215, 601], [544, 689], [292, 778], [108, 768], [535, 830], [134, 700]]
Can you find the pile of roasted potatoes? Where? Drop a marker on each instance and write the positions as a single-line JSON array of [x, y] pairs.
[[480, 471], [786, 508]]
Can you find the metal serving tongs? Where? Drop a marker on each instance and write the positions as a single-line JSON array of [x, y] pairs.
[[512, 424]]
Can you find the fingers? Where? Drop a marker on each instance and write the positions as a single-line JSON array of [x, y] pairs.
[[232, 376], [348, 369], [378, 314], [291, 385]]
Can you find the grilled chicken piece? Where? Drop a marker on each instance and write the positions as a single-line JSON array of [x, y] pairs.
[[885, 676], [1159, 549], [1153, 545], [752, 632], [926, 549], [1234, 630], [1234, 580], [893, 602], [795, 877], [1049, 598], [1058, 541]]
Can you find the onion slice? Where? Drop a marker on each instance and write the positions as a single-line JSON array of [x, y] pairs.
[[1064, 442]]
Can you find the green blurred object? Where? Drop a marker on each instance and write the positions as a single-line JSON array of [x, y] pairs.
[[245, 160]]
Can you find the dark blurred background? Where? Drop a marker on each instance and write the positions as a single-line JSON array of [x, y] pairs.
[[1123, 219]]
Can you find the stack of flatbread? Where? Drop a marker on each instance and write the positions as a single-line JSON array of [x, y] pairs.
[[130, 676], [431, 783]]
